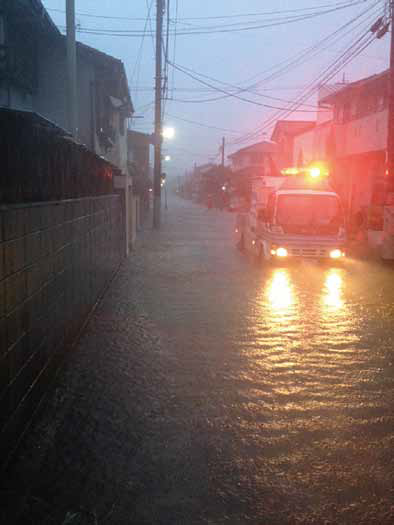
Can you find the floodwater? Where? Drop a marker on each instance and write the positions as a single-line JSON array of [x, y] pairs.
[[213, 389]]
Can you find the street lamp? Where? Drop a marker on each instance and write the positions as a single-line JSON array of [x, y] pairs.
[[168, 132], [167, 158]]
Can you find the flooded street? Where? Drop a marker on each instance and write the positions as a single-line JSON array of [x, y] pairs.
[[290, 371], [210, 388]]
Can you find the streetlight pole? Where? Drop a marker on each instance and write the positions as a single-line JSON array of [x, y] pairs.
[[158, 123], [72, 101], [223, 146]]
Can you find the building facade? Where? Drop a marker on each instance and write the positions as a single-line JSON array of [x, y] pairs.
[[353, 142], [284, 134], [261, 159], [33, 77]]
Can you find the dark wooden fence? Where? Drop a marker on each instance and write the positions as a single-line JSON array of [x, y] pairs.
[[40, 162]]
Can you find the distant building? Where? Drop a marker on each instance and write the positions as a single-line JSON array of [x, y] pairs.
[[283, 135], [139, 168], [256, 160]]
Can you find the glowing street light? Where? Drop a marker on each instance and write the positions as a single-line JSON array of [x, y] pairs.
[[167, 158], [168, 133]]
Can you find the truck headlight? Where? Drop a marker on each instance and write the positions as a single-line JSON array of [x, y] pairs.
[[281, 252], [336, 254]]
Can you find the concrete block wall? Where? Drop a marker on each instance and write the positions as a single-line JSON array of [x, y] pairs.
[[55, 260]]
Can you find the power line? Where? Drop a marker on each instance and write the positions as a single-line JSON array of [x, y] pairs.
[[320, 79], [210, 30], [174, 48], [303, 56], [137, 65], [290, 18], [239, 15], [152, 33], [237, 89], [355, 50], [229, 94], [203, 125]]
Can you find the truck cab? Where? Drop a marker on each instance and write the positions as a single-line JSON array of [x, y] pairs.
[[302, 218]]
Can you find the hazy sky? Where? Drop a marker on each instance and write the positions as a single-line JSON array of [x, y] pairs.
[[239, 58]]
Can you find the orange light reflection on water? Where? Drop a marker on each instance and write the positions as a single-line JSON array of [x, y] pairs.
[[333, 290], [279, 291]]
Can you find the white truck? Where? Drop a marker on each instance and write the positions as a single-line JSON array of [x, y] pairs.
[[301, 218]]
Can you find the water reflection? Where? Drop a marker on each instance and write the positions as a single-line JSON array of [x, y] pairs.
[[279, 291], [333, 290]]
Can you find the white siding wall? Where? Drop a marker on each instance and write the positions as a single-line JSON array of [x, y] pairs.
[[365, 134]]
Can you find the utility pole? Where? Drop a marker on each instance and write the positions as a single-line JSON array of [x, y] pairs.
[[223, 146], [72, 101], [158, 123]]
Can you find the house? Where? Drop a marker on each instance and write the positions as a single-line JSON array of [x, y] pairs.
[[259, 159], [33, 77], [33, 69], [256, 161], [25, 30], [360, 119], [353, 142], [283, 135]]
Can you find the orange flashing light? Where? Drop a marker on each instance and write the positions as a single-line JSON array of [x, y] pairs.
[[290, 171], [315, 172]]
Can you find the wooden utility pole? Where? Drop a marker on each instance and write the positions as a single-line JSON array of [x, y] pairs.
[[158, 123], [223, 146], [72, 100]]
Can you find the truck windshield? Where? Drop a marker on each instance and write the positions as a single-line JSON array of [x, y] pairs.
[[309, 214]]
